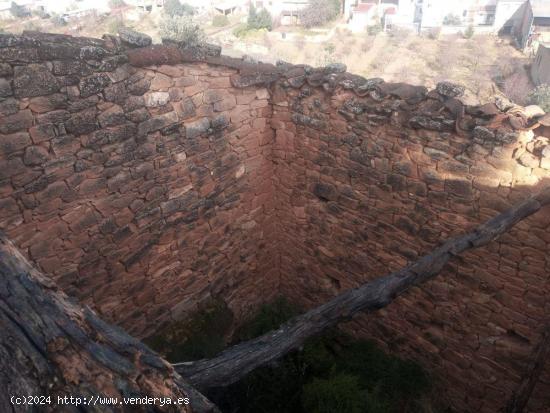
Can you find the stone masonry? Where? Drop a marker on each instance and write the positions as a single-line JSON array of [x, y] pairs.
[[146, 178], [141, 191]]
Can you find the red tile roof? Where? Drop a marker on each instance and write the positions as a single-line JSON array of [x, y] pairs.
[[363, 7]]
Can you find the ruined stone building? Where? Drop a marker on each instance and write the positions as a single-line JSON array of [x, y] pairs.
[[143, 180]]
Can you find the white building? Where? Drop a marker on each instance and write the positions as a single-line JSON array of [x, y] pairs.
[[488, 16], [286, 11], [30, 5], [72, 7]]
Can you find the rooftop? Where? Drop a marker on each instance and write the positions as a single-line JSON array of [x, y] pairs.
[[541, 8]]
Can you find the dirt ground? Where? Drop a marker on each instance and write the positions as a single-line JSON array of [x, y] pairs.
[[485, 64]]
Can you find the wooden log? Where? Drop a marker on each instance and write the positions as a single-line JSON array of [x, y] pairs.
[[51, 346], [541, 354], [239, 360]]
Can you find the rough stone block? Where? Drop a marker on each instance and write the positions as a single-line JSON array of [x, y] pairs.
[[185, 109], [5, 88], [14, 143], [34, 80], [82, 122], [161, 81], [93, 84], [156, 99], [16, 122], [35, 155], [197, 128], [134, 38], [157, 123], [111, 117]]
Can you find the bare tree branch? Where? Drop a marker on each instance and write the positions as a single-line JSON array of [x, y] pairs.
[[237, 361]]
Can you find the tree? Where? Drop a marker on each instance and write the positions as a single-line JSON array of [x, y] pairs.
[[175, 8], [541, 96], [319, 12], [259, 20], [19, 11], [220, 20], [115, 4], [469, 32], [182, 29], [452, 20]]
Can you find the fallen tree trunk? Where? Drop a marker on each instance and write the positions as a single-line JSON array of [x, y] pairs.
[[237, 361], [541, 354], [50, 346]]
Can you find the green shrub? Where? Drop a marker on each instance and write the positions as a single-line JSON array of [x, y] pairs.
[[220, 20], [319, 12], [339, 394], [269, 317], [332, 373], [540, 96], [182, 29], [374, 29], [200, 336], [241, 30], [113, 25], [259, 20], [175, 8], [19, 11], [452, 20], [469, 32]]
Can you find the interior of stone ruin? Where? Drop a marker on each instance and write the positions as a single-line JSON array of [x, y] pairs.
[[144, 180]]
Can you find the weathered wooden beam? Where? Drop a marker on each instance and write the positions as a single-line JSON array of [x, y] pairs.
[[237, 361], [51, 346], [539, 357]]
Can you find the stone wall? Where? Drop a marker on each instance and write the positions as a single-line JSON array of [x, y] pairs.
[[369, 178], [141, 191], [147, 179]]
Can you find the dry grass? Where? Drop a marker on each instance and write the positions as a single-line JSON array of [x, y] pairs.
[[482, 63]]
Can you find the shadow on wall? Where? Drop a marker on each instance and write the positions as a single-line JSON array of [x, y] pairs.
[[364, 196], [146, 190]]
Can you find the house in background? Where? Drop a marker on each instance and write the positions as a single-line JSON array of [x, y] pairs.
[[508, 14], [226, 7], [75, 9], [540, 68], [284, 11], [486, 16], [363, 15], [534, 26], [5, 10], [29, 5], [404, 13]]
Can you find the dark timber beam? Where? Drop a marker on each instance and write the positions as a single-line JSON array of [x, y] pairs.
[[237, 361], [539, 357], [50, 346]]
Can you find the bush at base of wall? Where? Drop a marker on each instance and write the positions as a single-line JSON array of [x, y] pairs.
[[332, 374]]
